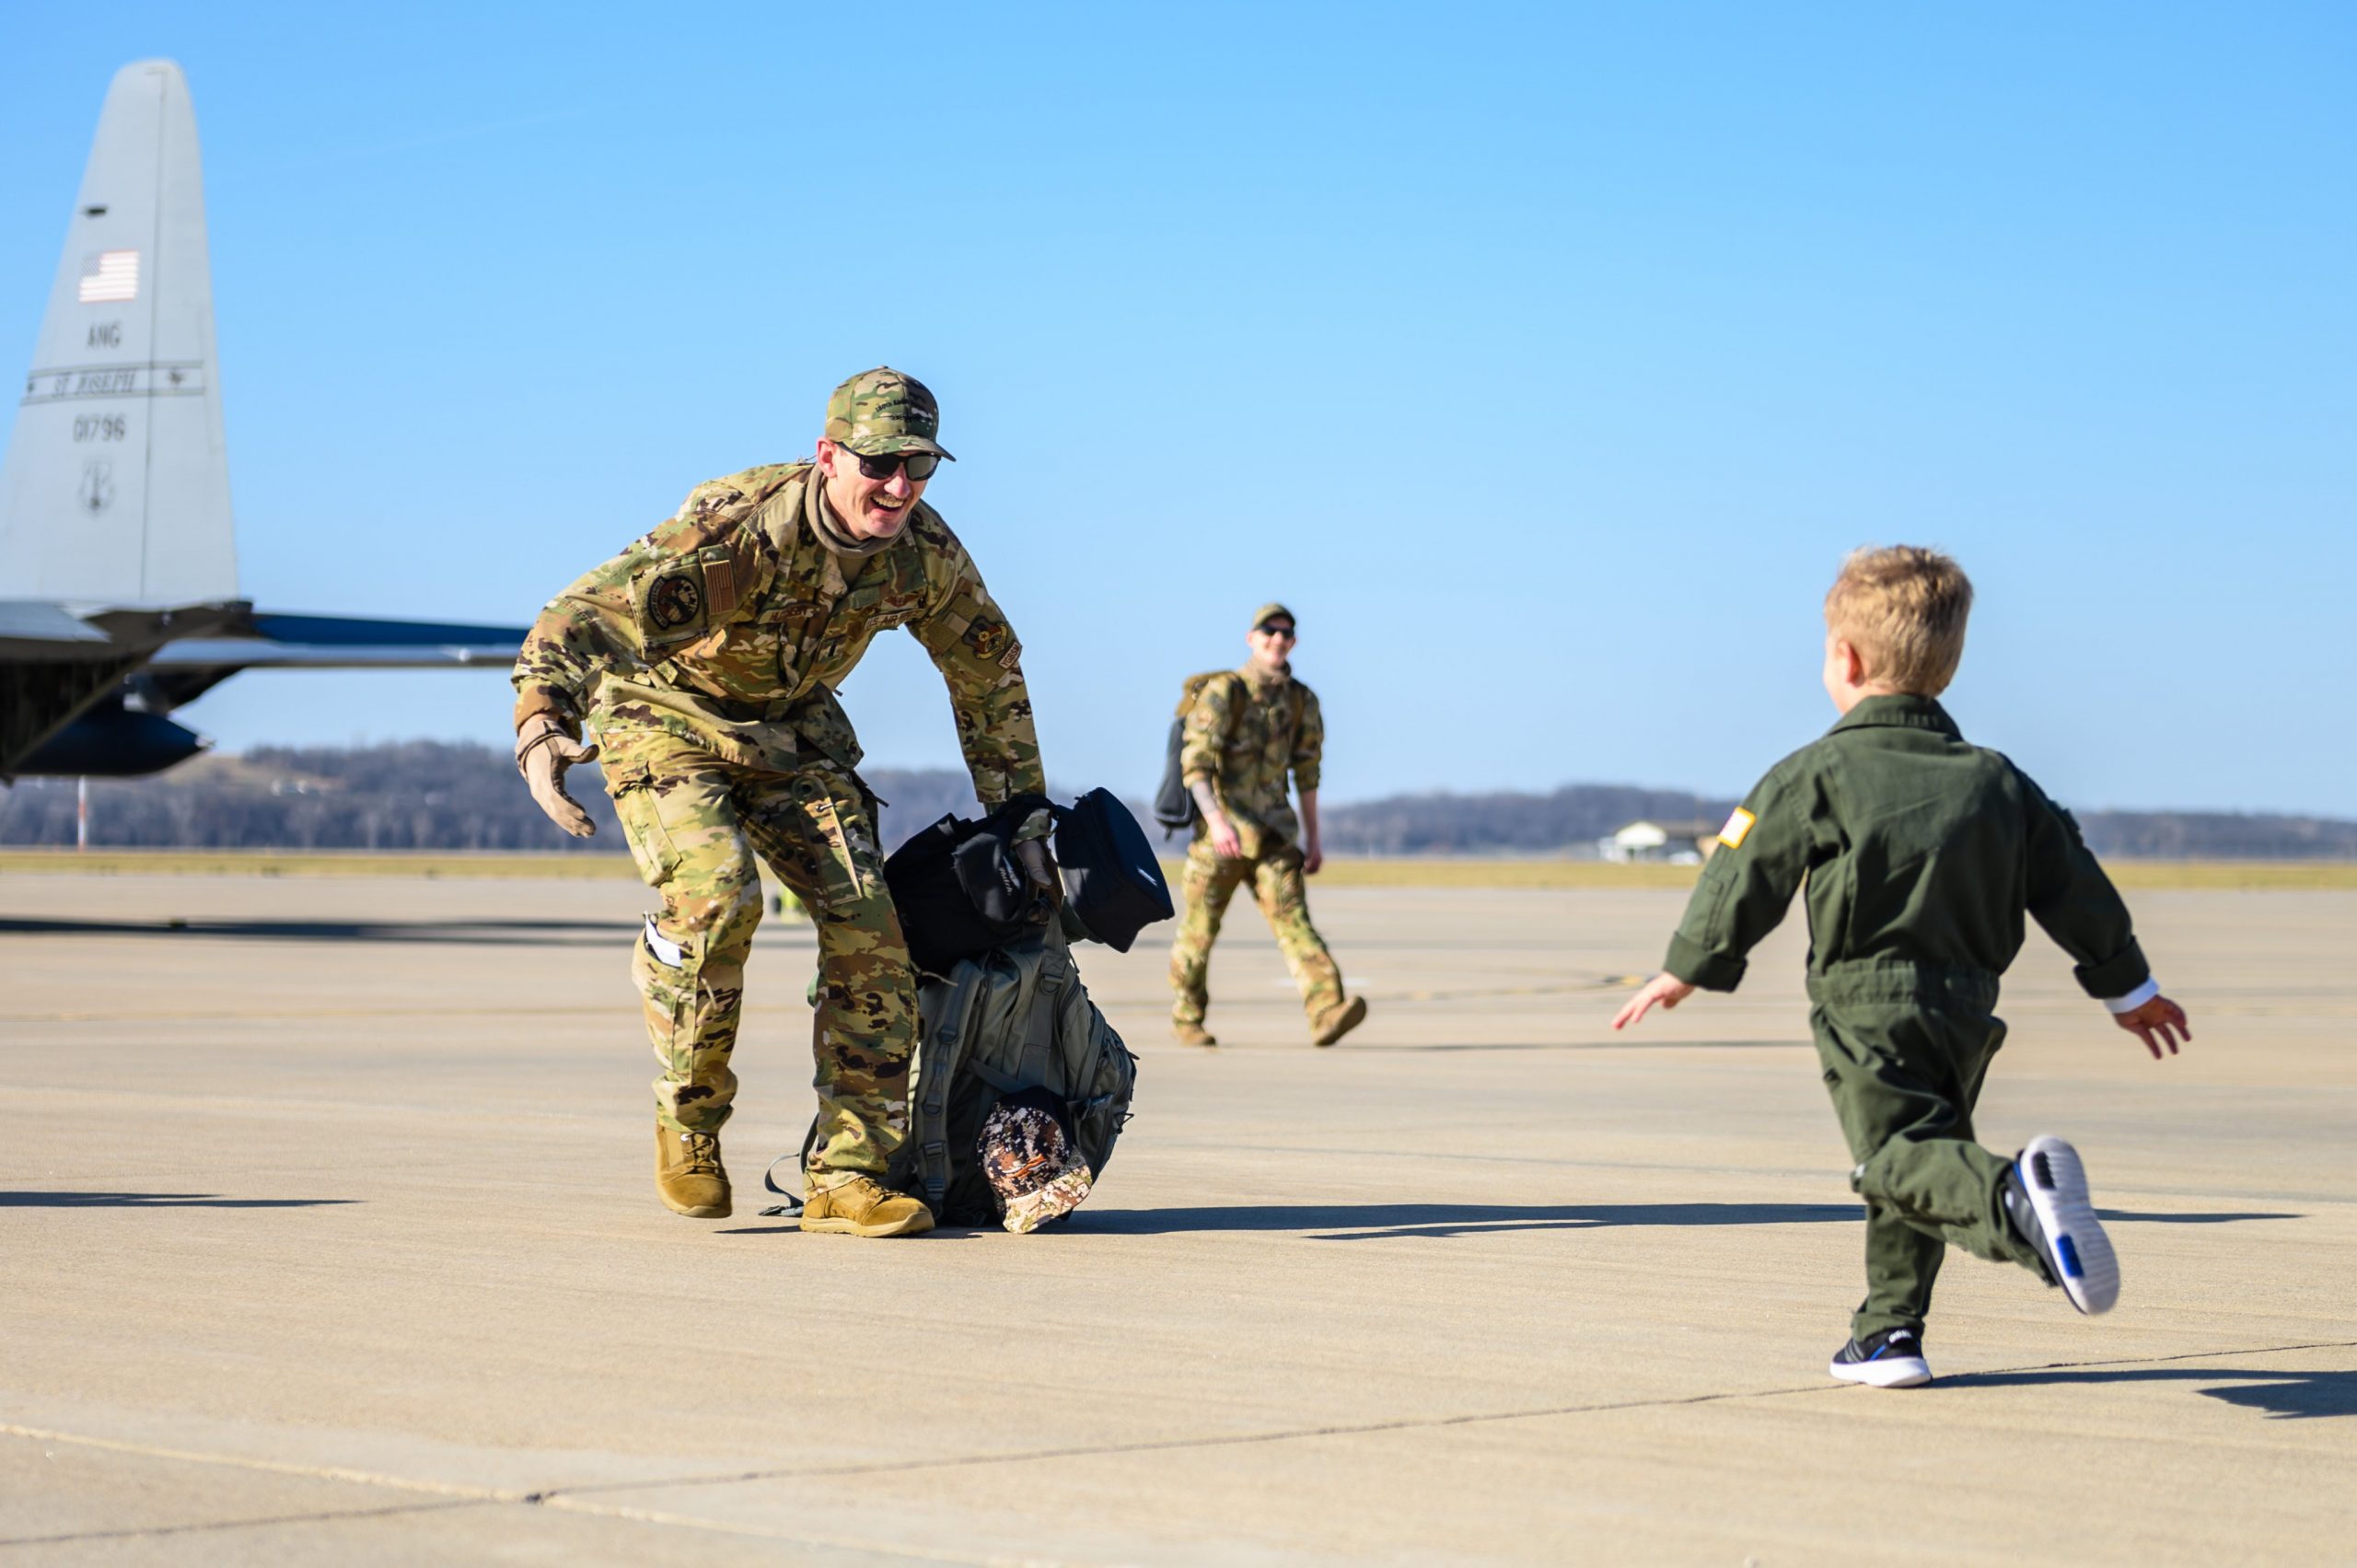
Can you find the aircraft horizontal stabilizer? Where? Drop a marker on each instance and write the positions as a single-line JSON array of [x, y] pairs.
[[38, 620], [334, 642]]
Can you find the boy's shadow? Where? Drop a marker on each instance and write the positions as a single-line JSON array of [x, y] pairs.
[[1369, 1221], [2296, 1396]]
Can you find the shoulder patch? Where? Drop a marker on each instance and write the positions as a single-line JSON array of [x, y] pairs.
[[989, 639], [673, 600], [1738, 827]]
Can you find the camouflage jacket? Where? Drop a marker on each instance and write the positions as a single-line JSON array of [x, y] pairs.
[[1243, 734], [732, 624], [1921, 854]]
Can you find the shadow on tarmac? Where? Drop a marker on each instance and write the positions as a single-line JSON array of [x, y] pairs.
[[471, 933], [1364, 1222], [1354, 1047], [156, 1200], [2297, 1396], [2122, 1216]]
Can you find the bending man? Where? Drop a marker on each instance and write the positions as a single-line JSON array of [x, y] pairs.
[[706, 658]]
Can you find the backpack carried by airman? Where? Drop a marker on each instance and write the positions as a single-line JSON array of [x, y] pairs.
[[1174, 805]]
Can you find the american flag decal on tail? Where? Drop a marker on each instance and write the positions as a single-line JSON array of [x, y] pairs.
[[111, 277]]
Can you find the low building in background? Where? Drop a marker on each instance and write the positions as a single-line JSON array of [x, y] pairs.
[[1672, 843]]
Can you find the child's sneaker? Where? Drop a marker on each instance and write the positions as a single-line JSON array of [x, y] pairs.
[[1892, 1359], [2046, 1199]]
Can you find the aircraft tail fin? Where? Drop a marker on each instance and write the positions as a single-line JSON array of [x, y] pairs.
[[115, 490]]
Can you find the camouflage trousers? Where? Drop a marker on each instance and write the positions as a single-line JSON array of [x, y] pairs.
[[1208, 882], [695, 824]]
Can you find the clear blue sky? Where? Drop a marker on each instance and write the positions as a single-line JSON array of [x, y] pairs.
[[1546, 359]]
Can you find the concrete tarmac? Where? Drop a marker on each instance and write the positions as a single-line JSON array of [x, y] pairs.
[[330, 1234]]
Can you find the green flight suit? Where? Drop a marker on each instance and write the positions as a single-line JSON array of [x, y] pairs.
[[706, 658], [1920, 854]]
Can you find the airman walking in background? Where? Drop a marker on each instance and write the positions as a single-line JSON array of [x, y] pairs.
[[706, 658], [1245, 730]]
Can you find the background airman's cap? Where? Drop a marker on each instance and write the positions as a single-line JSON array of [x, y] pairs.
[[1273, 611], [880, 410]]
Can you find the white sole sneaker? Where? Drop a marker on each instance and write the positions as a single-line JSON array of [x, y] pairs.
[[1884, 1370], [1890, 1372], [2056, 1181]]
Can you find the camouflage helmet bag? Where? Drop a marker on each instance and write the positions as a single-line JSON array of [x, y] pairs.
[[880, 412], [1036, 1173]]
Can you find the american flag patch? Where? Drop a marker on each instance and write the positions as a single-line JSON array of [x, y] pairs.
[[111, 277]]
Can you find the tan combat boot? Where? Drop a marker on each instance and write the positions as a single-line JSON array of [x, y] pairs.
[[688, 1176], [862, 1206], [1335, 1022], [1186, 1033]]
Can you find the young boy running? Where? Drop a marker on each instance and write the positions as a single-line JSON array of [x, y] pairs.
[[1919, 853]]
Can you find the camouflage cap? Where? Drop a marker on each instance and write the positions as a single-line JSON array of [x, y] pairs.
[[1027, 1156], [1273, 611], [880, 410]]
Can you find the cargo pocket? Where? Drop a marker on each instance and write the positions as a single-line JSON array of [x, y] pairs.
[[650, 841], [834, 861]]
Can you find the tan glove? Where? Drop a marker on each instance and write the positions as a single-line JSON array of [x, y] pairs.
[[543, 751], [1038, 859]]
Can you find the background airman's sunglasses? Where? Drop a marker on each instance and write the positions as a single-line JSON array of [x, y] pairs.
[[918, 464], [1275, 629]]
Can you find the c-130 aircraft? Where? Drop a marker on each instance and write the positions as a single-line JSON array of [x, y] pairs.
[[118, 558]]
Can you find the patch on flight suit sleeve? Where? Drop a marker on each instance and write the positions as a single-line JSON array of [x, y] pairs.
[[989, 639], [673, 600], [720, 586], [1738, 827]]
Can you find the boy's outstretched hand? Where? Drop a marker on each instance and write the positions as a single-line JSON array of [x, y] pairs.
[[1669, 991], [2157, 1023]]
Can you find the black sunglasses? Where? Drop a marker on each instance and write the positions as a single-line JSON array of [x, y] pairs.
[[918, 464], [1274, 629]]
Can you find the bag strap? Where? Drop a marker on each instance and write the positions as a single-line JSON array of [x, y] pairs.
[[793, 1204], [933, 1154], [1044, 1006]]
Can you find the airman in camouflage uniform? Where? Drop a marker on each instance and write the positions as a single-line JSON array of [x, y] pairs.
[[706, 658], [1246, 730]]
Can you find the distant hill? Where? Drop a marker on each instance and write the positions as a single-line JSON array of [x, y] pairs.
[[1567, 821], [424, 795], [434, 796], [1570, 821]]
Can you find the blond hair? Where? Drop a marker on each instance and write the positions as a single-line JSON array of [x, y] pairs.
[[1903, 608]]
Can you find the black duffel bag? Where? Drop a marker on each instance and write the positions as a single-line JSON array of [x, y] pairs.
[[1113, 884], [959, 890]]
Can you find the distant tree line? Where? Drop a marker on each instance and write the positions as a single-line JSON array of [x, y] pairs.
[[429, 794], [1570, 821], [416, 794], [1565, 821]]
